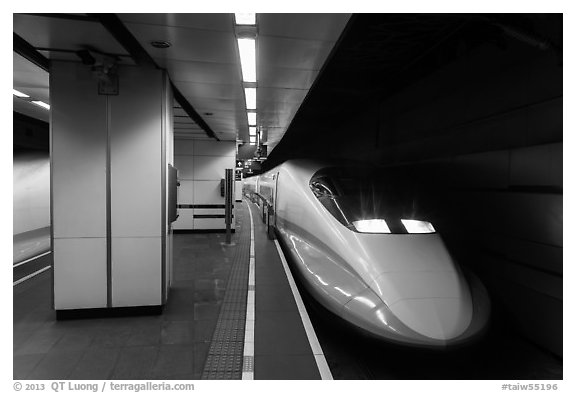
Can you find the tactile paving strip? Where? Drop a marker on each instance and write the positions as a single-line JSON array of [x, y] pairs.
[[225, 356]]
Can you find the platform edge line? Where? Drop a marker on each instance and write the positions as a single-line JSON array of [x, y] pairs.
[[31, 275], [31, 259], [250, 306]]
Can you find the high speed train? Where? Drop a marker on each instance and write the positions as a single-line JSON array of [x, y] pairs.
[[366, 253]]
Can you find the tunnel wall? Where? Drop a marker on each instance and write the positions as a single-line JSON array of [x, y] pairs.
[[30, 175], [31, 191], [486, 134]]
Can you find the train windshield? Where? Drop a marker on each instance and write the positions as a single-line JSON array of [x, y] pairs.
[[372, 201]]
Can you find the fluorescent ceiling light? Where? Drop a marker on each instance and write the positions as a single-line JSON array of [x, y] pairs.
[[42, 104], [19, 94], [252, 131], [247, 48], [252, 139], [251, 118], [250, 97], [371, 226], [245, 18], [417, 226]]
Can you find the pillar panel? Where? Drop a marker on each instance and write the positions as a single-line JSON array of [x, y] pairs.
[[109, 155]]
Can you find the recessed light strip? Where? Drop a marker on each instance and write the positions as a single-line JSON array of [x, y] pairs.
[[250, 93], [25, 97], [245, 18], [42, 104], [19, 94], [247, 48]]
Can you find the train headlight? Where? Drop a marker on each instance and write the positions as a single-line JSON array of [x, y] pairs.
[[371, 226], [417, 226]]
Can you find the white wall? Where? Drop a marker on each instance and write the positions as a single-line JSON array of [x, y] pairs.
[[31, 191], [201, 165]]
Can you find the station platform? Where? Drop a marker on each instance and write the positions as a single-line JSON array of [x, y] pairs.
[[201, 333]]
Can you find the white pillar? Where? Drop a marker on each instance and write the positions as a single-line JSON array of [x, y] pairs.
[[109, 156]]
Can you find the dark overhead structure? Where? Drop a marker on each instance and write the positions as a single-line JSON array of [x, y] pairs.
[[379, 55], [30, 53]]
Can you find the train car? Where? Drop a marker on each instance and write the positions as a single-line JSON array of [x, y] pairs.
[[366, 253]]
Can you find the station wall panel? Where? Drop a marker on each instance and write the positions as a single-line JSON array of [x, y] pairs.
[[186, 192], [136, 272], [201, 166], [210, 148], [207, 192], [212, 167], [78, 153], [209, 223], [79, 273], [185, 165], [185, 219], [184, 147], [135, 154]]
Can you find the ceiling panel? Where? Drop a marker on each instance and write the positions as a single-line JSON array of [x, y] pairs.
[[27, 76], [215, 105], [292, 53], [286, 96], [286, 77], [321, 27], [58, 33], [187, 44], [216, 22], [211, 90], [191, 71]]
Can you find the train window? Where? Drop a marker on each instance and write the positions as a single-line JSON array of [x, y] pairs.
[[323, 187], [361, 194]]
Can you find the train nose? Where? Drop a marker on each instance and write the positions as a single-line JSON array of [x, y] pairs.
[[436, 318], [435, 304]]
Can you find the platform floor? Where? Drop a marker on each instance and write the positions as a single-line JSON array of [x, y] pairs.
[[177, 343]]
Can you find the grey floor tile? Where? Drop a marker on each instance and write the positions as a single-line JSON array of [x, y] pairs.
[[299, 367], [58, 365], [111, 336], [24, 364], [280, 333], [200, 355], [177, 332], [145, 334], [73, 341], [135, 362], [96, 363], [204, 330], [274, 298], [173, 360], [206, 311], [40, 342]]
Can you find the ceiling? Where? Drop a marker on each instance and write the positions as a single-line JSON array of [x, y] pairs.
[[202, 62]]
